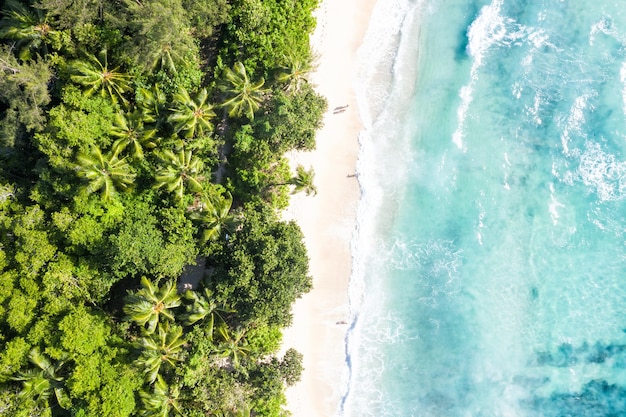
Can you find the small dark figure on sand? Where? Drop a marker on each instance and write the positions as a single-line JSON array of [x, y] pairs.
[[340, 109]]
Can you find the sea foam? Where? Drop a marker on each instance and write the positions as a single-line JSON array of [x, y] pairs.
[[488, 269], [385, 69]]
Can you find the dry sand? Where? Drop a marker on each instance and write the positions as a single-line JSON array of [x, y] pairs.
[[328, 220]]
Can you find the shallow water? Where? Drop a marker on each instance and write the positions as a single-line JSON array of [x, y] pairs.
[[490, 261]]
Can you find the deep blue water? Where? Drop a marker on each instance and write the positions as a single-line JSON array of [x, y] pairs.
[[490, 261]]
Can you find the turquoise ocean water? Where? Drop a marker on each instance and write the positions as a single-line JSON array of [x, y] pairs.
[[490, 260]]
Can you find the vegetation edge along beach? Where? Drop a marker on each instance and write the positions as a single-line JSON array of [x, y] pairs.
[[144, 265]]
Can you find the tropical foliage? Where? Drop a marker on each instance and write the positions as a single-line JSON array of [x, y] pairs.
[[24, 96], [152, 304], [204, 307], [294, 72], [164, 348], [106, 172], [232, 345], [162, 401], [95, 74], [214, 215], [144, 266], [43, 385], [192, 116], [244, 97], [162, 38], [131, 132], [303, 181], [30, 29], [151, 103], [180, 171]]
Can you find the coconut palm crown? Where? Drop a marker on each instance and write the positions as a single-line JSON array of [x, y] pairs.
[[95, 74], [303, 181], [244, 96], [29, 28], [132, 133], [181, 170], [105, 172], [204, 307], [192, 116], [162, 401], [214, 215], [164, 347], [40, 384], [294, 72], [150, 304]]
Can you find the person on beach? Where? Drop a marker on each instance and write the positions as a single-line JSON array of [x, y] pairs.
[[340, 109]]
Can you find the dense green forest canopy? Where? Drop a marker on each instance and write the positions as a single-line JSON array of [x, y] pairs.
[[139, 138]]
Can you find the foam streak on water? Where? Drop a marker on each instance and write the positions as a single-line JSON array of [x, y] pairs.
[[489, 271]]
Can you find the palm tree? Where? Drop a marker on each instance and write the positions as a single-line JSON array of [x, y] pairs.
[[213, 212], [40, 384], [303, 181], [130, 132], [95, 74], [151, 102], [294, 72], [150, 303], [192, 115], [162, 401], [29, 28], [104, 172], [245, 97], [202, 307], [182, 170], [233, 345], [165, 347], [164, 57]]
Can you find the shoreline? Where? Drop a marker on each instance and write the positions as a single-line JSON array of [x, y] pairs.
[[328, 220]]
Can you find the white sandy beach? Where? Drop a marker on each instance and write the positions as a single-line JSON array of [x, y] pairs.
[[328, 219]]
